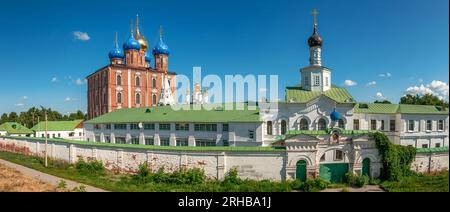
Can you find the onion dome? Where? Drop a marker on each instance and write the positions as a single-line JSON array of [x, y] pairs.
[[131, 44], [116, 53], [161, 48], [143, 42], [335, 116], [141, 39], [148, 57], [315, 39]]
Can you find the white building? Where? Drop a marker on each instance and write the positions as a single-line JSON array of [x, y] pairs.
[[72, 130], [14, 129]]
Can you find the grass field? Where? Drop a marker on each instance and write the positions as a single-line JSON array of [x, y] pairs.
[[437, 182]]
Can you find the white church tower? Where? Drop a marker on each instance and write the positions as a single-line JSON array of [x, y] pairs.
[[166, 92], [315, 77]]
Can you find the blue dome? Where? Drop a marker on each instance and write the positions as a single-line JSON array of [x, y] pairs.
[[132, 44], [148, 57], [161, 48], [335, 116], [116, 53]]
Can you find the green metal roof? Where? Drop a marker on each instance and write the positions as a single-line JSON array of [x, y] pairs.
[[378, 108], [298, 95], [166, 114], [432, 150], [152, 147], [15, 128], [57, 125], [422, 109]]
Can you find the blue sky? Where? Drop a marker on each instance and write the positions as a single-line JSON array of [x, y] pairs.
[[41, 61]]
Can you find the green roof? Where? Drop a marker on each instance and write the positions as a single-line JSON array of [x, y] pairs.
[[15, 128], [299, 95], [218, 114], [422, 109], [151, 147], [432, 150], [57, 125], [378, 108]]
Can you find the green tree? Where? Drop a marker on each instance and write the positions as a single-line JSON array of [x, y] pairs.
[[427, 99], [383, 102]]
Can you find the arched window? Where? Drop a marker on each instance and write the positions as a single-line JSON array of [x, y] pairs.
[[154, 99], [138, 81], [154, 83], [119, 98], [304, 124], [283, 127], [269, 128], [138, 98], [119, 79], [322, 124], [341, 124]]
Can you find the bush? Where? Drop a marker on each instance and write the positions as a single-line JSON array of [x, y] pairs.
[[232, 177], [296, 185], [315, 185], [356, 180], [90, 168]]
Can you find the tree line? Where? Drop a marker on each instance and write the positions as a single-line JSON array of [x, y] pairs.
[[34, 115], [427, 99]]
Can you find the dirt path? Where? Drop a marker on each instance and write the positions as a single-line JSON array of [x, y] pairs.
[[37, 176]]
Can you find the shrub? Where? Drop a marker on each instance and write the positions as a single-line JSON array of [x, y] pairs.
[[296, 185], [93, 167], [356, 180], [345, 189], [315, 185], [232, 177]]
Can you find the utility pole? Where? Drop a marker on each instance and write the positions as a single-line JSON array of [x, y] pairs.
[[46, 135]]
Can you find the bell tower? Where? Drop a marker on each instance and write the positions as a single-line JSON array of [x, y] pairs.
[[315, 77]]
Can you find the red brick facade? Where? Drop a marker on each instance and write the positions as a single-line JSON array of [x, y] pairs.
[[129, 85]]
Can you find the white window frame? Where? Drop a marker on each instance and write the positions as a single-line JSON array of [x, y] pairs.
[[409, 124], [316, 80], [430, 122], [443, 125]]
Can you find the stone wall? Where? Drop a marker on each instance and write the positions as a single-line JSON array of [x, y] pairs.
[[430, 162], [257, 165]]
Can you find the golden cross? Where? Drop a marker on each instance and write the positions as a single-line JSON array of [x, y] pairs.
[[315, 13]]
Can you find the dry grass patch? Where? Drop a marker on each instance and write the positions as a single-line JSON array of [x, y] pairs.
[[12, 180]]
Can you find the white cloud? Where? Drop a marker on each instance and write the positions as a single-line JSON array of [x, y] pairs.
[[436, 87], [83, 36], [380, 96], [25, 97], [387, 75], [420, 80], [350, 83], [80, 81], [19, 104], [54, 79], [373, 83], [70, 99]]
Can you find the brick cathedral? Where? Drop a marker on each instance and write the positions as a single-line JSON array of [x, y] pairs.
[[130, 80]]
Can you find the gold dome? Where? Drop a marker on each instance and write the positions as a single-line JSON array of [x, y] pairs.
[[143, 42]]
